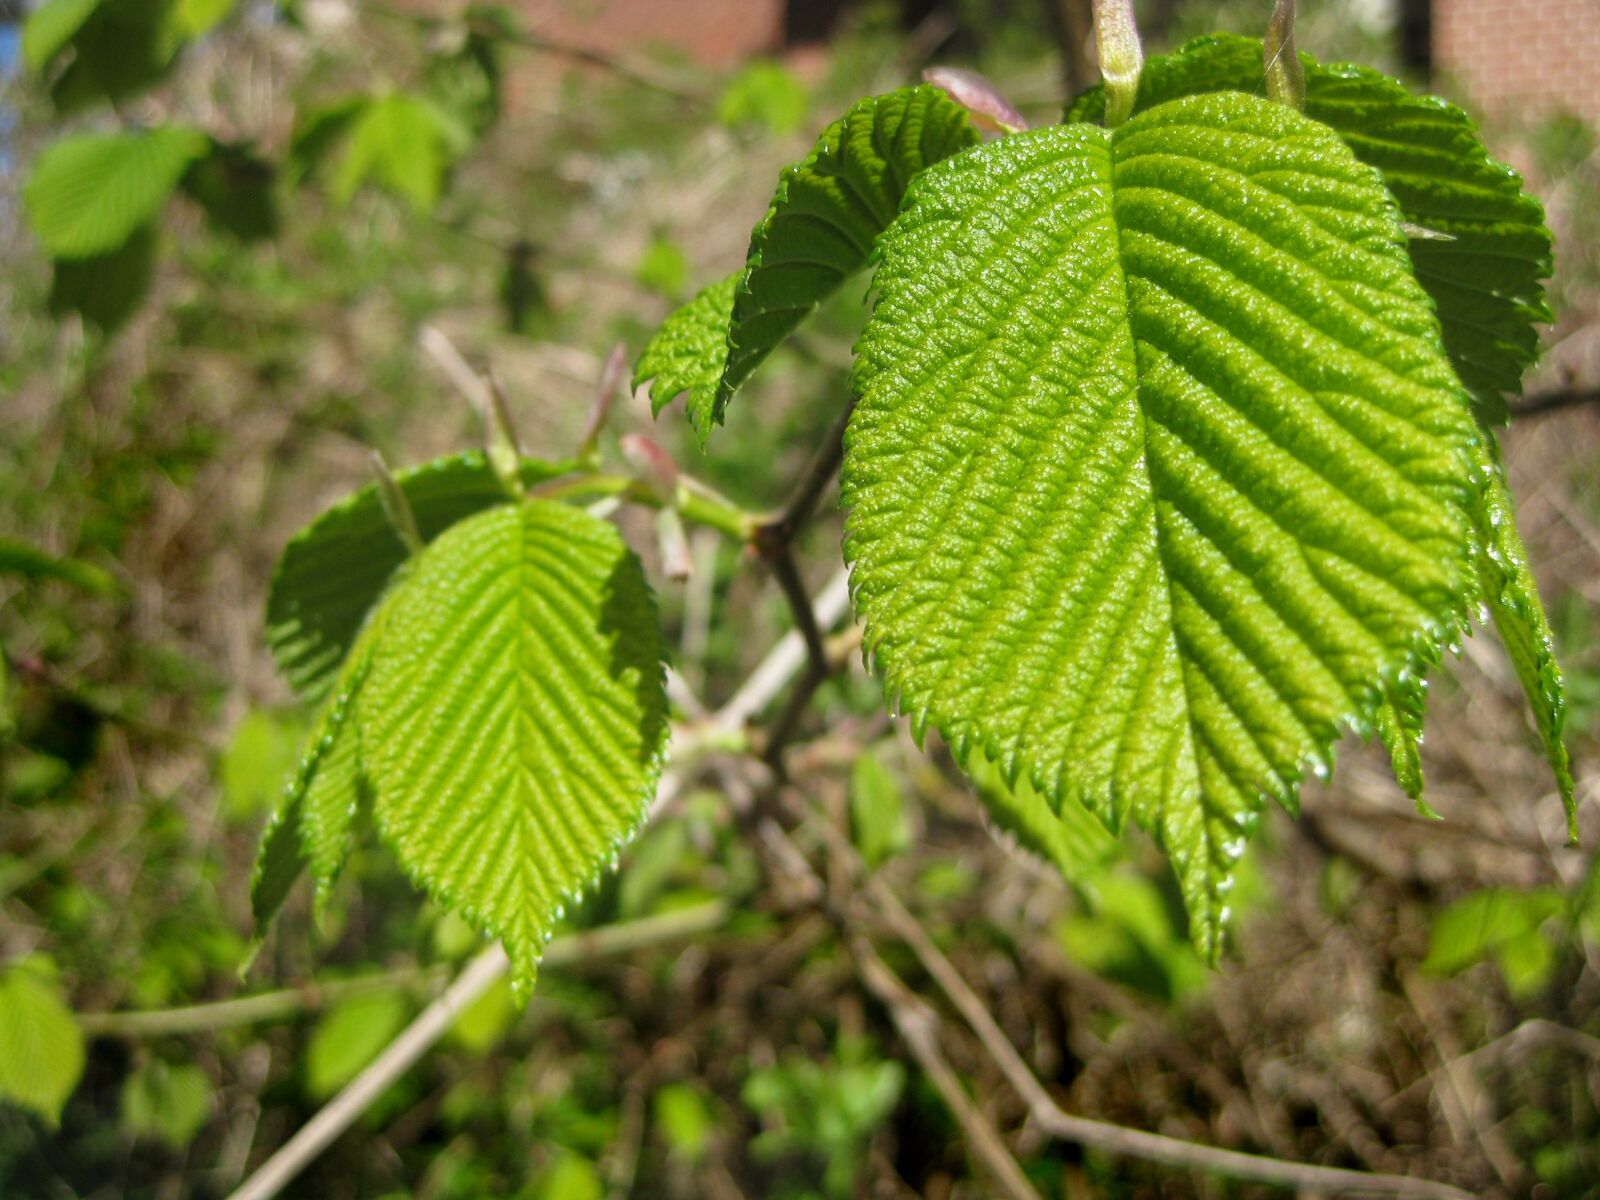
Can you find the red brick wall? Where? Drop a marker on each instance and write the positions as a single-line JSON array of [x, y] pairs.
[[1522, 56], [714, 33]]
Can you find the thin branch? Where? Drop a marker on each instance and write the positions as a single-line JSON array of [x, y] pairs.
[[779, 531], [919, 1029], [1102, 1135], [1548, 402], [787, 657], [787, 573], [291, 1002]]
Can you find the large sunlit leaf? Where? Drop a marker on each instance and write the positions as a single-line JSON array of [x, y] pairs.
[[515, 716], [333, 570], [1159, 471], [41, 1046], [1482, 250], [89, 193], [824, 219]]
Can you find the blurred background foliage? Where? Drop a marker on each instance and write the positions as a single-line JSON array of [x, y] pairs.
[[225, 224]]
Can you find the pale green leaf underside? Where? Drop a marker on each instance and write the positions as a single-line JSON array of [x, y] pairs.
[[685, 355], [820, 229], [515, 716], [1158, 470], [1072, 839], [1486, 278], [1508, 588], [88, 194], [41, 1047], [332, 572], [312, 825]]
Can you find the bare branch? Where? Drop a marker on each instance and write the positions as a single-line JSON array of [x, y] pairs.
[[1102, 1135], [919, 1028]]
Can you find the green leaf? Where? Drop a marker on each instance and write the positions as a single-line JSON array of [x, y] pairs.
[[572, 1177], [352, 1033], [29, 562], [234, 186], [121, 49], [484, 1022], [313, 822], [515, 717], [1478, 926], [196, 18], [403, 143], [1158, 472], [1486, 273], [877, 812], [765, 94], [88, 194], [1508, 588], [263, 751], [170, 1103], [1130, 936], [50, 27], [333, 571], [41, 1047], [1073, 838], [825, 217], [1399, 725], [685, 355], [106, 290], [685, 1121]]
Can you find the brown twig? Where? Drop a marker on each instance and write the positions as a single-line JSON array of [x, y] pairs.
[[1101, 1135], [1548, 402], [779, 530], [774, 539], [918, 1026]]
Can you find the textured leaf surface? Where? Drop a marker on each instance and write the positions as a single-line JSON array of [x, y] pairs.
[[685, 356], [1512, 595], [333, 570], [515, 716], [88, 194], [824, 219], [1158, 470], [1399, 725], [41, 1047], [1486, 275]]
